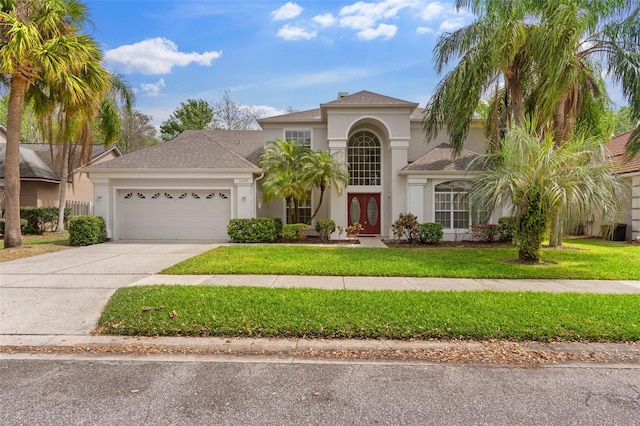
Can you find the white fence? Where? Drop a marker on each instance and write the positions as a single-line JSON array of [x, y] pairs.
[[80, 207]]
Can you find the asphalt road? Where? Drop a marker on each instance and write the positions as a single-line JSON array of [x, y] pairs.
[[207, 391]]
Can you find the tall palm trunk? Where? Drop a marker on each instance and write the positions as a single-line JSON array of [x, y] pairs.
[[12, 234], [64, 173], [315, 212]]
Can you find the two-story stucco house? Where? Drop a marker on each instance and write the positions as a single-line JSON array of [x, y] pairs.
[[190, 187]]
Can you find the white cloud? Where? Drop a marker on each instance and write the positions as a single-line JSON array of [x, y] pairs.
[[432, 11], [156, 56], [293, 33], [325, 20], [289, 10], [367, 17], [384, 31], [424, 30], [452, 24], [267, 111], [153, 89]]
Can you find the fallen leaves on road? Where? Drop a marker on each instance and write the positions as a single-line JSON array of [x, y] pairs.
[[522, 354]]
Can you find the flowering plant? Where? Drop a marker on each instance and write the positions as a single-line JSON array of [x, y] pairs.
[[487, 232], [354, 230]]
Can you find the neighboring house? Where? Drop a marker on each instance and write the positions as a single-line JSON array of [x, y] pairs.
[[629, 171], [190, 187], [39, 179]]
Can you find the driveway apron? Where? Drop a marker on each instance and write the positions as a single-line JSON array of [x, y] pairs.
[[65, 292]]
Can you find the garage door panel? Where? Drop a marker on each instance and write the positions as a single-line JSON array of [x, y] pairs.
[[174, 214]]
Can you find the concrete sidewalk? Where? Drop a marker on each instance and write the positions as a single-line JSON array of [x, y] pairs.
[[396, 283], [57, 298]]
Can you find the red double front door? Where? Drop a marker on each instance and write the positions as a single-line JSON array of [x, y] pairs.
[[365, 209]]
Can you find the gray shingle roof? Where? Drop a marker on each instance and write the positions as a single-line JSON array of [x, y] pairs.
[[440, 159], [195, 149], [365, 97], [36, 162], [309, 115]]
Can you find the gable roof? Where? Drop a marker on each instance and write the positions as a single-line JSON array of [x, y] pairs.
[[616, 147], [360, 99], [366, 98], [440, 159], [195, 149]]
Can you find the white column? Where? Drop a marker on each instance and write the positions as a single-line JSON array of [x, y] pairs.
[[103, 203], [244, 198], [398, 187], [338, 203], [416, 197]]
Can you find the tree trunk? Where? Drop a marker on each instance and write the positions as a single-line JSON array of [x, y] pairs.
[[560, 122], [322, 188], [12, 234], [64, 174], [557, 231], [517, 100]]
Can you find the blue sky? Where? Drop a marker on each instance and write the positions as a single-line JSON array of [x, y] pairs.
[[271, 54]]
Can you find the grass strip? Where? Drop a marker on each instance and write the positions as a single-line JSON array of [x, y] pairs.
[[579, 259], [313, 313], [34, 245]]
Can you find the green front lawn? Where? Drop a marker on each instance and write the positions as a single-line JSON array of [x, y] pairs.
[[579, 259], [312, 313]]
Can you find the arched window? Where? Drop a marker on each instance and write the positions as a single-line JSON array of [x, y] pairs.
[[452, 204], [363, 155]]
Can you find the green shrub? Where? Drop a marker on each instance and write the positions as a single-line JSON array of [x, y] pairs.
[[431, 233], [23, 225], [506, 228], [325, 227], [294, 231], [254, 230], [407, 227], [277, 222], [87, 230], [41, 219], [486, 233]]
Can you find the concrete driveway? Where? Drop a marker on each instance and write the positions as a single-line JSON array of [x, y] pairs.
[[64, 293]]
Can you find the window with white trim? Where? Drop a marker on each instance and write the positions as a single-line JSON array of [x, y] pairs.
[[304, 209], [452, 204], [303, 137], [364, 158]]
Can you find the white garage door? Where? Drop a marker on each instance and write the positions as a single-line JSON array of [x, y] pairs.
[[174, 214]]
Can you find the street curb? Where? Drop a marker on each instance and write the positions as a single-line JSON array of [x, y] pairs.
[[292, 347]]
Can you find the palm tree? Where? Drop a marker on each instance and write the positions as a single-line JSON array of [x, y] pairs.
[[321, 169], [535, 57], [493, 59], [40, 40], [543, 180], [282, 163]]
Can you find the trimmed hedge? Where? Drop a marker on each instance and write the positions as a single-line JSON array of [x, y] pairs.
[[294, 231], [87, 230], [23, 224], [325, 227], [255, 230], [431, 233]]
